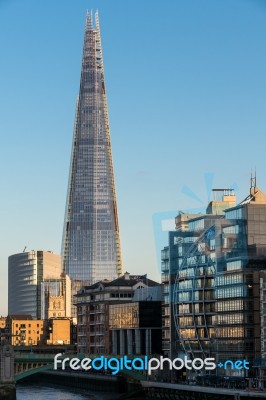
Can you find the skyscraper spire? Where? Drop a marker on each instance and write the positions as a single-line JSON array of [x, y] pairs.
[[89, 25], [91, 242]]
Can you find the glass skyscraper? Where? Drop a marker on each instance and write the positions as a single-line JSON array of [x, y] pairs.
[[91, 243]]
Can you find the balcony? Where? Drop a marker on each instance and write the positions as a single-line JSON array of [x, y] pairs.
[[81, 334]]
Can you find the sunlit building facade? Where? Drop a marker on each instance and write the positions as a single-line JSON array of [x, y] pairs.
[[136, 327], [23, 330], [94, 335], [91, 242], [218, 293], [171, 258]]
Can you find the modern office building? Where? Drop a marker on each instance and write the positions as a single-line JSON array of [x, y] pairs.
[[136, 327], [36, 285], [217, 296], [263, 316], [93, 302], [180, 242], [171, 257], [91, 243]]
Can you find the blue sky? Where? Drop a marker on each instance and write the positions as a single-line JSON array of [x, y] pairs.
[[186, 92]]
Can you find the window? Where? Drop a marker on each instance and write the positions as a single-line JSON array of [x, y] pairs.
[[234, 214], [196, 225]]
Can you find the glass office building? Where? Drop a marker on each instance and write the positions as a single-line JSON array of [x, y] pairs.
[[27, 272], [91, 243], [216, 296]]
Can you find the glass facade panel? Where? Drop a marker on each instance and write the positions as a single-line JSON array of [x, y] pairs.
[[124, 316], [196, 225], [236, 213], [217, 299], [91, 243]]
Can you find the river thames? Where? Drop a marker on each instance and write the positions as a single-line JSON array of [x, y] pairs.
[[36, 391]]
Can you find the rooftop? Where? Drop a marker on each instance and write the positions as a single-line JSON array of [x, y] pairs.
[[126, 280]]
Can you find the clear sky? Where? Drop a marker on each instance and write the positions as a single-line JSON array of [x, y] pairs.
[[186, 91]]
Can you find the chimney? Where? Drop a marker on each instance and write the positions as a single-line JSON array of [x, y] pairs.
[[127, 276]]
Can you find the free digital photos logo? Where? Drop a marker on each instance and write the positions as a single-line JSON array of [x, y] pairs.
[[117, 364]]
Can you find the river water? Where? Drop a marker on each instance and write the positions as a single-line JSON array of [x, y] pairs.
[[34, 391]]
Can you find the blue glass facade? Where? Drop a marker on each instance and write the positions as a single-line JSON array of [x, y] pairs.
[[91, 243], [216, 283]]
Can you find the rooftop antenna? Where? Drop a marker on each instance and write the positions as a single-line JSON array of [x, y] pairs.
[[24, 249], [253, 180]]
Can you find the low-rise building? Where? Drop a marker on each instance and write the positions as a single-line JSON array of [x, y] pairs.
[[58, 331], [93, 306], [23, 330], [136, 327]]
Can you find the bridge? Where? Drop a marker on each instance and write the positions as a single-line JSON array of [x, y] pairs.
[[165, 391], [17, 365], [23, 364], [26, 364], [29, 363]]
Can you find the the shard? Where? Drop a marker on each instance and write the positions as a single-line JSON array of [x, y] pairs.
[[91, 243]]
